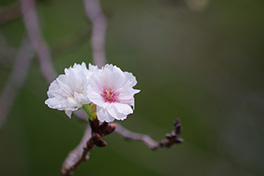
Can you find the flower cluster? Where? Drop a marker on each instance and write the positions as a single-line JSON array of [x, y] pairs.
[[109, 89]]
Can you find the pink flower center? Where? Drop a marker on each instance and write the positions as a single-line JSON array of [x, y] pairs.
[[72, 95], [109, 95]]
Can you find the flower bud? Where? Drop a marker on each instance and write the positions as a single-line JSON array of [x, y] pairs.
[[100, 143], [110, 128]]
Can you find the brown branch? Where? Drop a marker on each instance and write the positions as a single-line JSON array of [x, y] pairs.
[[171, 138], [16, 79], [92, 138], [28, 9], [96, 16], [151, 143]]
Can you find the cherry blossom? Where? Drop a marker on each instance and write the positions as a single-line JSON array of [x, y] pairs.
[[69, 91], [111, 90]]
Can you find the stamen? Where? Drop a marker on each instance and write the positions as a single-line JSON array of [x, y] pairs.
[[109, 95], [72, 95]]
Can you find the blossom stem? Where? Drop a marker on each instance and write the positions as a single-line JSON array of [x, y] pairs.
[[87, 110]]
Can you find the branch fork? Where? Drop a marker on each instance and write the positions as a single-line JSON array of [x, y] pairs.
[[171, 138], [97, 131]]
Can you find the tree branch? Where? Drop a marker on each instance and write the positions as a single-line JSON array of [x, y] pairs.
[[92, 138], [16, 79], [151, 143], [28, 9], [96, 16], [171, 138]]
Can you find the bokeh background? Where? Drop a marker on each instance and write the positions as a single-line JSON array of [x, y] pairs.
[[199, 60]]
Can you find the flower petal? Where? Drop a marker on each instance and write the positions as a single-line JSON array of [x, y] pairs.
[[103, 115], [68, 113], [95, 97], [115, 113], [93, 68], [68, 92], [131, 78], [112, 91], [123, 108]]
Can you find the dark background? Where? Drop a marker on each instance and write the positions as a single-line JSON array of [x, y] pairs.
[[199, 60]]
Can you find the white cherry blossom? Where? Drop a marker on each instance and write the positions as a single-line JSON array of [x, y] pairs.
[[111, 90], [69, 91]]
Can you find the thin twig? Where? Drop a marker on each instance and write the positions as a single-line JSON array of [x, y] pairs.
[[96, 16], [16, 79], [28, 8], [151, 143], [171, 138], [92, 138]]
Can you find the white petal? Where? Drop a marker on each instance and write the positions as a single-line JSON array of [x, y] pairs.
[[123, 108], [83, 65], [103, 115], [95, 97], [130, 102], [93, 68], [113, 77], [131, 78], [68, 92], [116, 114], [68, 113]]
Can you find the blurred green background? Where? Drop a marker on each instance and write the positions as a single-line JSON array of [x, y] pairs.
[[199, 60]]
